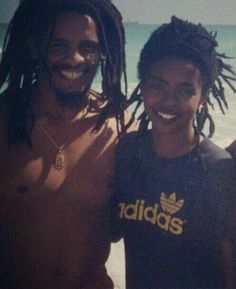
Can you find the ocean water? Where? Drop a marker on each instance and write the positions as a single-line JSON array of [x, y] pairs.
[[137, 35]]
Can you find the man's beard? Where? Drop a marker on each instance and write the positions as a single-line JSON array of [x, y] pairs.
[[72, 99], [69, 98]]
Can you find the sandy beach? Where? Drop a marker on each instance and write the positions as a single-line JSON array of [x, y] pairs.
[[116, 265]]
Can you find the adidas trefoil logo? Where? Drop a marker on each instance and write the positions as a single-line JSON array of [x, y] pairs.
[[169, 205], [162, 215]]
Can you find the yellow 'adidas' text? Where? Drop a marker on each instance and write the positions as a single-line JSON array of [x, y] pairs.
[[138, 211]]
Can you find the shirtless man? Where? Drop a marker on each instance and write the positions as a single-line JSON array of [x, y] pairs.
[[57, 143]]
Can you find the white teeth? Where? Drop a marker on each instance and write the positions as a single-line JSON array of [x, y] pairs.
[[72, 75], [166, 116]]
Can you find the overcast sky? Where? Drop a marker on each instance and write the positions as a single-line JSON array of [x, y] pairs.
[[159, 11]]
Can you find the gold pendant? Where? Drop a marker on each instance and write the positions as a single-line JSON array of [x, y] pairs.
[[58, 164]]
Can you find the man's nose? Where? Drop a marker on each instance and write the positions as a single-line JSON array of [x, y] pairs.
[[76, 57]]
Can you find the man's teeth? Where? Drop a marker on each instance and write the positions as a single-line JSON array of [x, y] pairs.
[[166, 116], [72, 75]]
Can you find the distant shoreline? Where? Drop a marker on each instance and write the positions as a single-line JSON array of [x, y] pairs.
[[158, 24], [138, 23]]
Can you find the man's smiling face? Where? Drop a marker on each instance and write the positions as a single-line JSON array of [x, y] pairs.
[[72, 59]]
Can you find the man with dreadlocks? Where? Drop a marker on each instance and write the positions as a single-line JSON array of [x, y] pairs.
[[57, 153], [172, 183]]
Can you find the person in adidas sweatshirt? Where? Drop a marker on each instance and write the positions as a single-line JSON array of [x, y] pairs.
[[173, 184]]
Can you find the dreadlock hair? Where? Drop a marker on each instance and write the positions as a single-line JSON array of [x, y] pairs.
[[194, 43], [35, 20]]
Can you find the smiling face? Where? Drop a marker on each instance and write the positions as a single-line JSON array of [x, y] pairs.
[[172, 93], [72, 59]]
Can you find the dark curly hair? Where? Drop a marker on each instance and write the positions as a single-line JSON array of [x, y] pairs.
[[35, 20], [192, 42]]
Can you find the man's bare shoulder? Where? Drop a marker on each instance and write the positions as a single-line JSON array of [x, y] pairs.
[[111, 125], [130, 121]]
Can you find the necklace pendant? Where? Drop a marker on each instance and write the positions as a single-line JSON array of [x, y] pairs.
[[59, 161]]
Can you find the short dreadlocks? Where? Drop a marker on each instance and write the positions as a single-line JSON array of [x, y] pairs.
[[35, 20], [192, 42]]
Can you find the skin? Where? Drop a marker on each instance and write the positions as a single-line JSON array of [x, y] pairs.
[[56, 223], [172, 93], [174, 87]]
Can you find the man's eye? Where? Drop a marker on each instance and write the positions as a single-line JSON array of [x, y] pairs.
[[57, 46], [88, 47], [89, 50]]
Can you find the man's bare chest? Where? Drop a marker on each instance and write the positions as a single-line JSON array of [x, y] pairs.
[[29, 179], [48, 215]]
